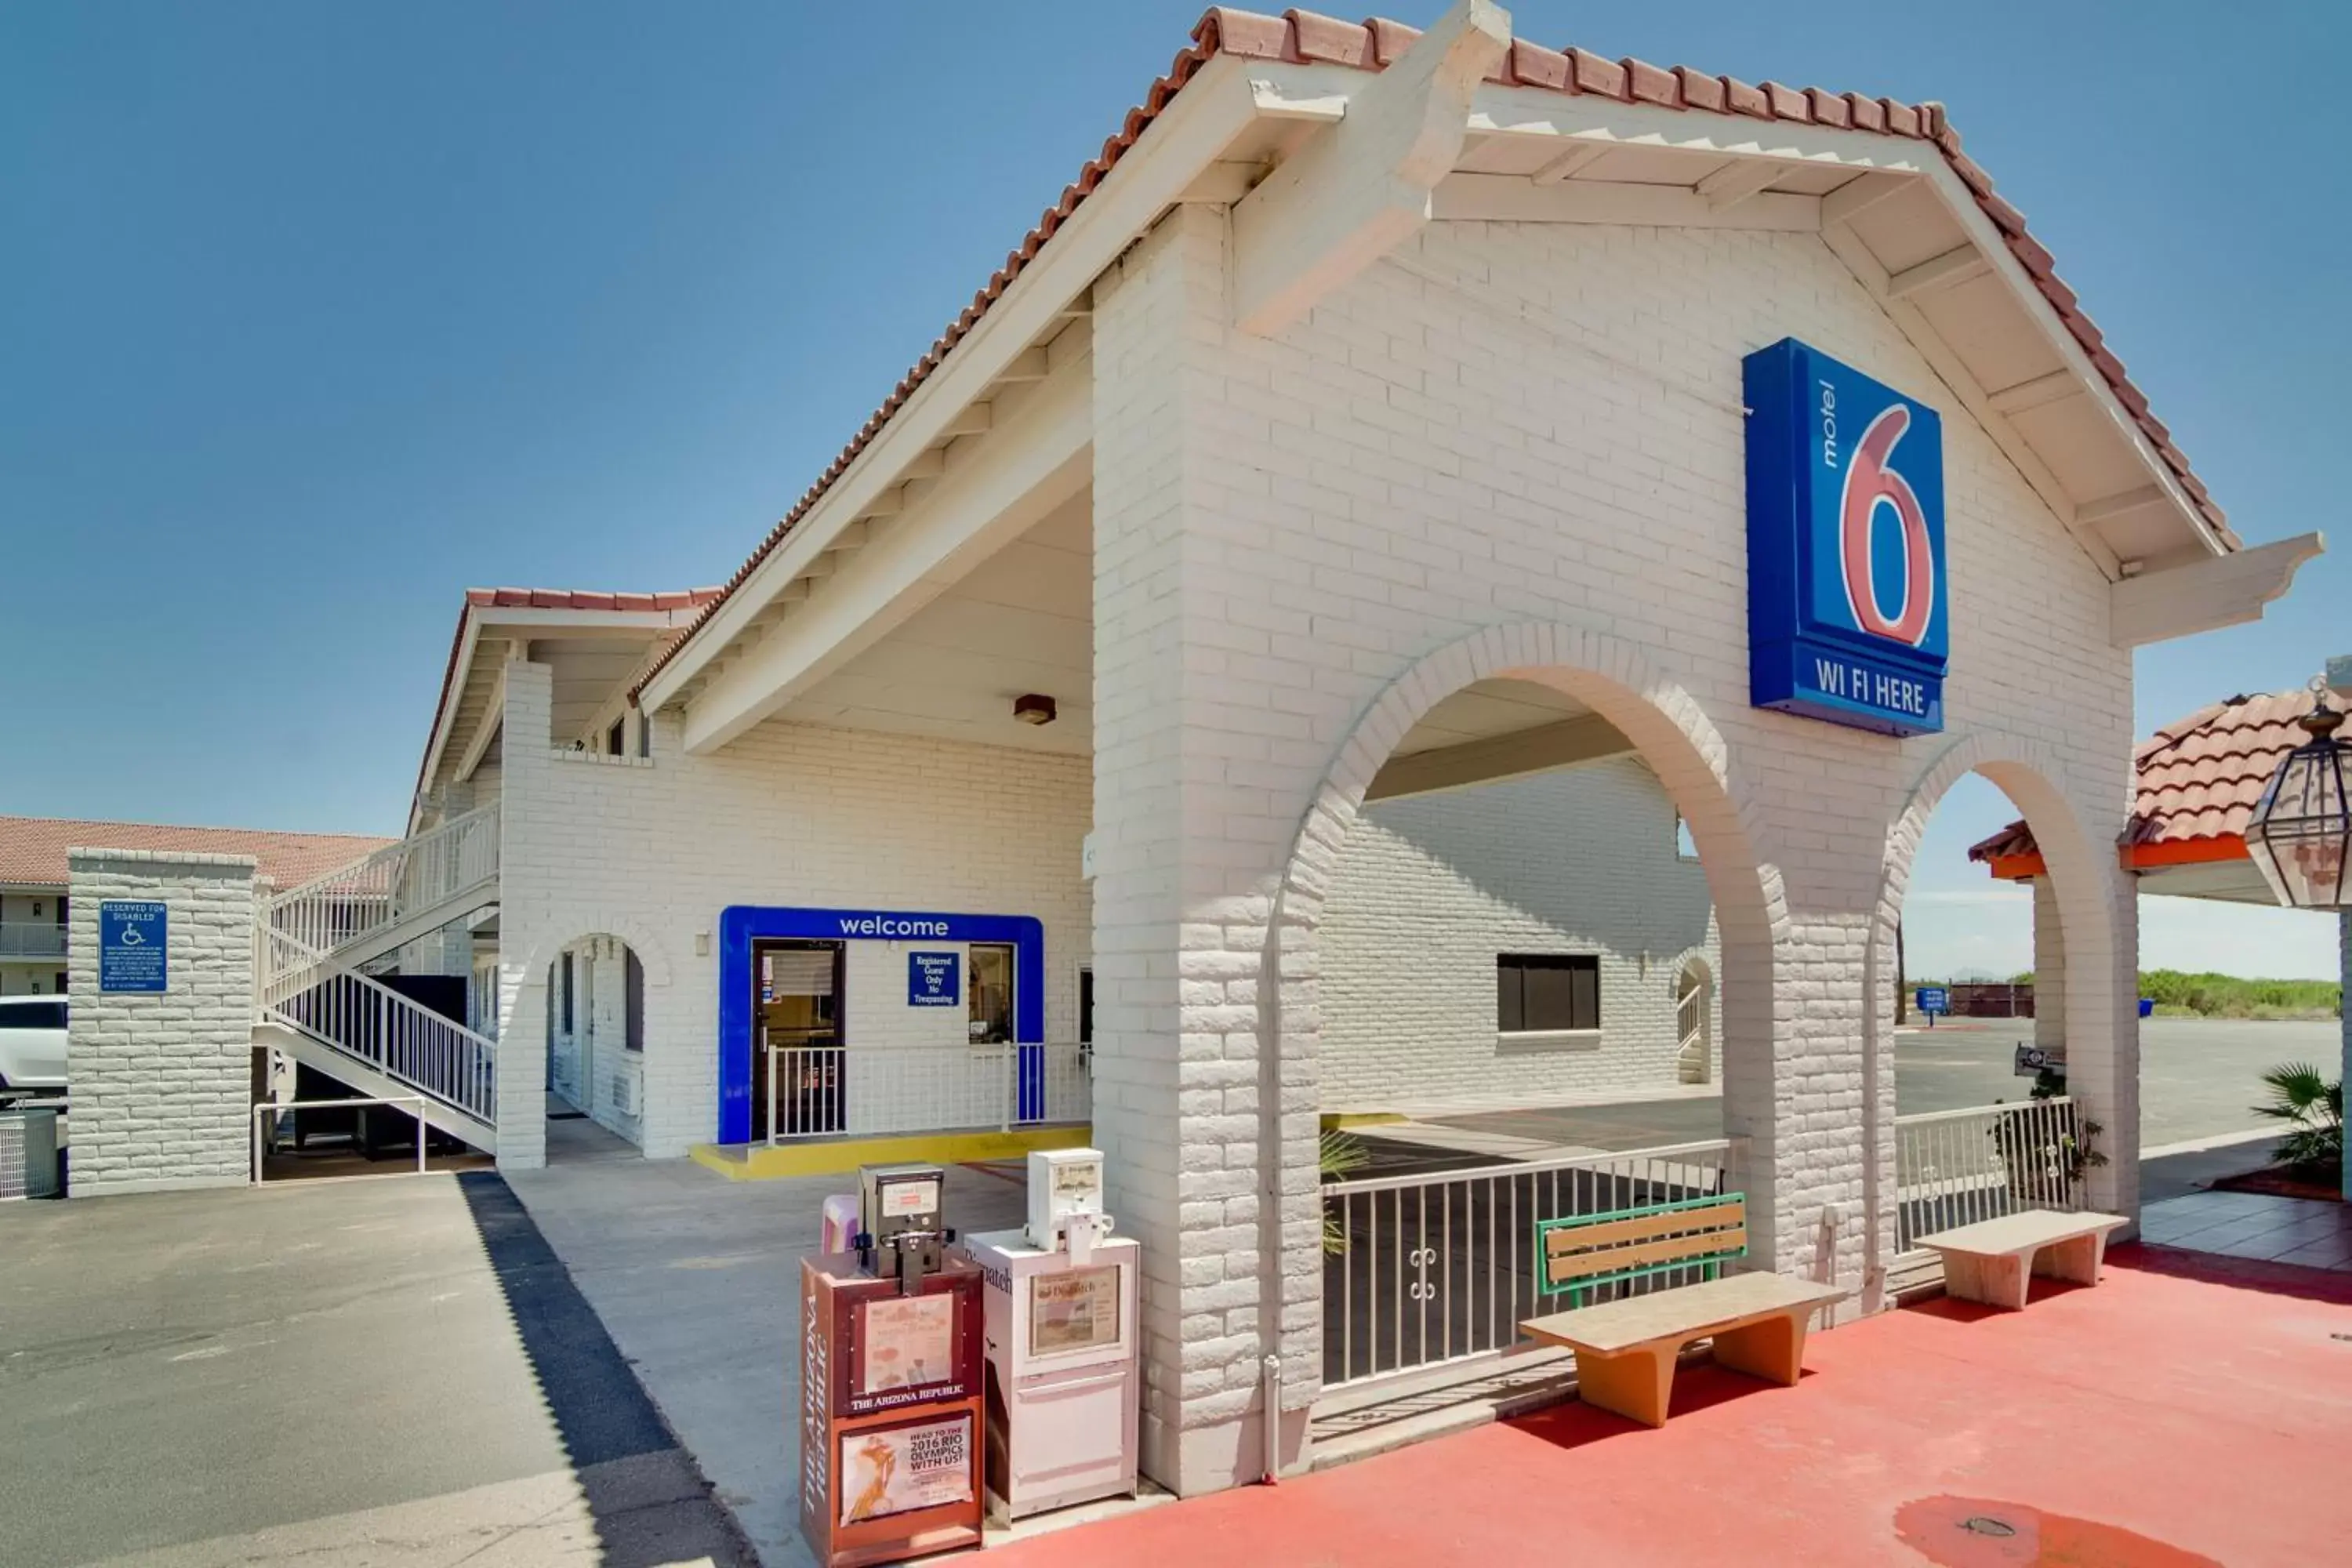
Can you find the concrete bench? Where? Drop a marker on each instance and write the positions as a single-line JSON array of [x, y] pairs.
[[1994, 1260], [1626, 1351]]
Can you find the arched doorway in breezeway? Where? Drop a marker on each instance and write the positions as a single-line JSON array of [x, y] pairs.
[[2019, 968], [1494, 913], [1695, 1021]]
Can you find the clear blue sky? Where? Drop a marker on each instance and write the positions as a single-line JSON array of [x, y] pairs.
[[311, 316]]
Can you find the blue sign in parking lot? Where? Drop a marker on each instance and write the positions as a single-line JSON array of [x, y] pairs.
[[1934, 999], [131, 941], [934, 979]]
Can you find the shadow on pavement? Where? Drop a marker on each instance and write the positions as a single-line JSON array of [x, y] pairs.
[[630, 1468], [2245, 1273]]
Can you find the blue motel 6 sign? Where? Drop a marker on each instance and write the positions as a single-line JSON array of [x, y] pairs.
[[1848, 616]]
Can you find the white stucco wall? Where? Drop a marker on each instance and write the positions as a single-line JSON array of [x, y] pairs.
[[1430, 889]]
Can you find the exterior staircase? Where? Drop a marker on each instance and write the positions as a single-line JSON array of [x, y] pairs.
[[314, 1001]]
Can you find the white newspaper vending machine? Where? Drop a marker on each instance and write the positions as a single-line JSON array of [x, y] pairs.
[[1061, 1375]]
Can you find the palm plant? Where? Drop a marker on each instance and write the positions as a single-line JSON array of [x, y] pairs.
[[1341, 1154], [2312, 1109]]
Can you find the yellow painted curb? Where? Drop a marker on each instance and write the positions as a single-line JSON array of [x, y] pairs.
[[1363, 1119], [759, 1162]]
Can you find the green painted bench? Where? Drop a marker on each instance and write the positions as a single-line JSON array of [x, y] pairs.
[[1626, 1351]]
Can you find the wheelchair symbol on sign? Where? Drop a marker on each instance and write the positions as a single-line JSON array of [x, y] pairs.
[[131, 937]]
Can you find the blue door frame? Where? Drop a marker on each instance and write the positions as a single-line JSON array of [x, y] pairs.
[[740, 925]]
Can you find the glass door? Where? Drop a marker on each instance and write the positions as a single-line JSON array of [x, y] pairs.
[[796, 1051]]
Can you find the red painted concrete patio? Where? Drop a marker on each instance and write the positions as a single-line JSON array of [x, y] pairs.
[[2188, 1410]]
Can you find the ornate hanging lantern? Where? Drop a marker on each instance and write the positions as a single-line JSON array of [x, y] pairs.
[[2302, 826]]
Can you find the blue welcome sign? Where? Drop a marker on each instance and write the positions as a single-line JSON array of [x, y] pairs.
[[133, 938], [1848, 616], [933, 979]]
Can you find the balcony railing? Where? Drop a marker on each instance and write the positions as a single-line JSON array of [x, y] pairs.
[[1955, 1167], [32, 938]]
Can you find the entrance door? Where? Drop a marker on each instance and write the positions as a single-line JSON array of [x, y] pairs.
[[797, 1012]]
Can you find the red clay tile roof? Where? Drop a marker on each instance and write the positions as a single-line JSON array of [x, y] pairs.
[[547, 599], [2198, 779], [1304, 37], [33, 849]]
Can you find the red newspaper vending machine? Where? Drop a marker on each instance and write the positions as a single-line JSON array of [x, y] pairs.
[[891, 1383]]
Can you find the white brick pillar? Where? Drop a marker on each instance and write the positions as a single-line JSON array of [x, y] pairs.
[[163, 1082], [527, 779], [2049, 967], [2103, 1039], [1191, 846]]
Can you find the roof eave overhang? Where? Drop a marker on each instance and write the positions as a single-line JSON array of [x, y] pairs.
[[1215, 108], [480, 623]]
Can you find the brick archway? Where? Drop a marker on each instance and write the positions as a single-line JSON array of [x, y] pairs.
[[2084, 883], [1621, 682]]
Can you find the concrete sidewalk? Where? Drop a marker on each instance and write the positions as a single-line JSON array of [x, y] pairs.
[[697, 1278], [393, 1371]]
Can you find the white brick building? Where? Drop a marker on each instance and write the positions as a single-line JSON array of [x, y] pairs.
[[1367, 382]]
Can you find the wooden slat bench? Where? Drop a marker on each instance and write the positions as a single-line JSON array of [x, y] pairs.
[[1626, 1351], [1994, 1260]]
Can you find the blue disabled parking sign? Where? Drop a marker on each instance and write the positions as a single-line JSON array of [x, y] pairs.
[[131, 943]]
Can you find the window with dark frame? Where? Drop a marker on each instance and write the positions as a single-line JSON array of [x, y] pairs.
[[1543, 993], [616, 738], [567, 992]]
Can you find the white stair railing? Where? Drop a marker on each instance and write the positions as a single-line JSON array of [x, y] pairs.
[[393, 1033], [1690, 1056], [354, 903]]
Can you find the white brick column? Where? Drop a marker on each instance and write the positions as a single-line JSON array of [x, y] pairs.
[[162, 1083], [526, 789], [2049, 967], [1191, 842]]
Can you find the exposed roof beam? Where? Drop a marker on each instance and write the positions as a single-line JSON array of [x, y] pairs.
[[1860, 194], [1945, 271], [1737, 182], [1223, 183], [1508, 198], [2041, 389], [972, 421], [486, 729], [1028, 365], [1585, 738], [1035, 461], [2090, 514], [2219, 590], [1566, 165], [1359, 187]]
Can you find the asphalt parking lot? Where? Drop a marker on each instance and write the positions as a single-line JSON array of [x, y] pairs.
[[387, 1372]]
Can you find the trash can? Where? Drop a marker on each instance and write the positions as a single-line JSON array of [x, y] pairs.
[[28, 1152], [2147, 1007]]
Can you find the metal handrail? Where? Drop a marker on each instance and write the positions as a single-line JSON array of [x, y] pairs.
[[271, 1107], [395, 1035], [374, 893], [1525, 1167], [1915, 1118]]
